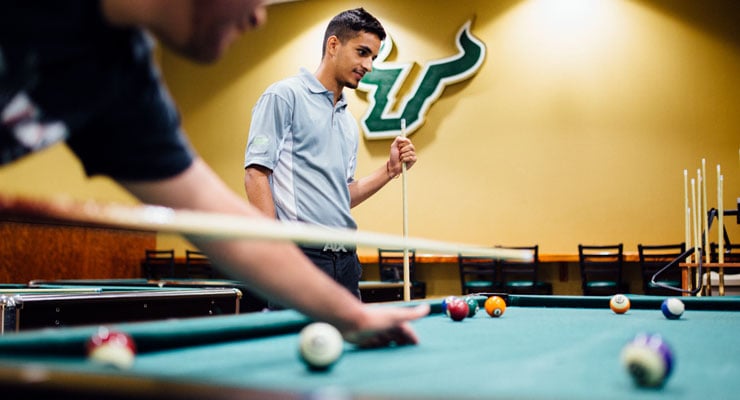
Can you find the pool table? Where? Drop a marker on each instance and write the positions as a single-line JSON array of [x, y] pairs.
[[25, 308], [371, 291], [543, 347]]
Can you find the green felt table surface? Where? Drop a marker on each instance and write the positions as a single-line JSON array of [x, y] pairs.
[[544, 347]]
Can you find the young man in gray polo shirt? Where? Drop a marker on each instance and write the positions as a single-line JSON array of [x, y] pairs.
[[301, 154]]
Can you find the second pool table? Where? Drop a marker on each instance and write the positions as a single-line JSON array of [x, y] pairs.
[[544, 347]]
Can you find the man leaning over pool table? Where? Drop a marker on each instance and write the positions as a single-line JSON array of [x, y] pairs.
[[81, 72]]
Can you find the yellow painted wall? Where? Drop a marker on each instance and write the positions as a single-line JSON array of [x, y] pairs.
[[577, 129]]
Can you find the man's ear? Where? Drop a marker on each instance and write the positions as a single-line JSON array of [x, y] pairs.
[[331, 45]]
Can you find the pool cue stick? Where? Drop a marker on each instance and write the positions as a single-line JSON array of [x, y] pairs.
[[720, 216], [695, 220], [707, 253], [701, 206], [687, 226], [211, 225], [720, 230], [686, 214], [406, 268]]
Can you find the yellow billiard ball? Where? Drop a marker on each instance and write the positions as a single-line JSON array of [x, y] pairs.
[[495, 306]]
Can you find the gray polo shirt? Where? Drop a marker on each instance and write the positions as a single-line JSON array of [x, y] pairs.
[[311, 147]]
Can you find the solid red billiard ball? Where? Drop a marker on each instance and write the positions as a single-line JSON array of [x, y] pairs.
[[495, 306], [457, 309], [111, 347]]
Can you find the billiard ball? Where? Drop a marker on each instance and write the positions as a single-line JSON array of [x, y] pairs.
[[457, 309], [495, 306], [672, 308], [648, 360], [446, 301], [472, 306], [320, 345], [619, 303], [111, 347]]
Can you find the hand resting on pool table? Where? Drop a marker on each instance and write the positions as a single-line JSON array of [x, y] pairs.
[[279, 271]]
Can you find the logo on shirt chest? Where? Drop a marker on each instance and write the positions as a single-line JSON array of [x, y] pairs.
[[385, 80]]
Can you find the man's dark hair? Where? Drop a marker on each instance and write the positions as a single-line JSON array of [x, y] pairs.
[[348, 24]]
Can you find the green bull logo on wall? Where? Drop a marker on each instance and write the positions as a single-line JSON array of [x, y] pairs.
[[386, 79]]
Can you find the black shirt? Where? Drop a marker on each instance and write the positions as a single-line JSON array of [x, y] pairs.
[[65, 74]]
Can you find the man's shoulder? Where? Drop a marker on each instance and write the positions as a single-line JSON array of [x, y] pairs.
[[286, 86]]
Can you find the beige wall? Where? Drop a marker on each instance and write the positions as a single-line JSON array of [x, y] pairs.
[[577, 129]]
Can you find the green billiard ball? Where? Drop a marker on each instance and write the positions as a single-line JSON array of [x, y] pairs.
[[472, 306]]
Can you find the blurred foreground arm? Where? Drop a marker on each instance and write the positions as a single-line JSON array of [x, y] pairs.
[[278, 271]]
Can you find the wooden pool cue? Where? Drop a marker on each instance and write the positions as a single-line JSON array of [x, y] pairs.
[[705, 215], [406, 268], [720, 231], [211, 225]]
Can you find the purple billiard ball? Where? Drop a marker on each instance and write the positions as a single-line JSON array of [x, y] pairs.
[[648, 359]]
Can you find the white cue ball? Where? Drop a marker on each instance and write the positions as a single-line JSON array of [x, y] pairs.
[[321, 345]]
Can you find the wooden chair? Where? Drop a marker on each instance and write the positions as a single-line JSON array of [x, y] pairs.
[[390, 264], [197, 265], [521, 276], [601, 269], [159, 264], [652, 259], [478, 274]]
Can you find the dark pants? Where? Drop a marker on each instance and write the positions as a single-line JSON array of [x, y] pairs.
[[342, 266]]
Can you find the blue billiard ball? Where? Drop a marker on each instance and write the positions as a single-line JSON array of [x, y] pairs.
[[446, 301], [648, 360], [672, 308]]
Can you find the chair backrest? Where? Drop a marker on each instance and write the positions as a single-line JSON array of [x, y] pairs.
[[732, 252], [160, 257], [601, 263], [198, 265], [195, 257], [390, 264], [478, 273], [520, 271], [159, 263], [654, 257]]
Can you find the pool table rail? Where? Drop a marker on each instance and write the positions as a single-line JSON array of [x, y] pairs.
[[20, 312]]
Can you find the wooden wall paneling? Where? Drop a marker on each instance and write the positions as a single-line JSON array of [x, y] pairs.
[[48, 250]]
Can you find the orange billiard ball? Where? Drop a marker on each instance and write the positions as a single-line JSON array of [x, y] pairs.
[[495, 306], [619, 303]]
